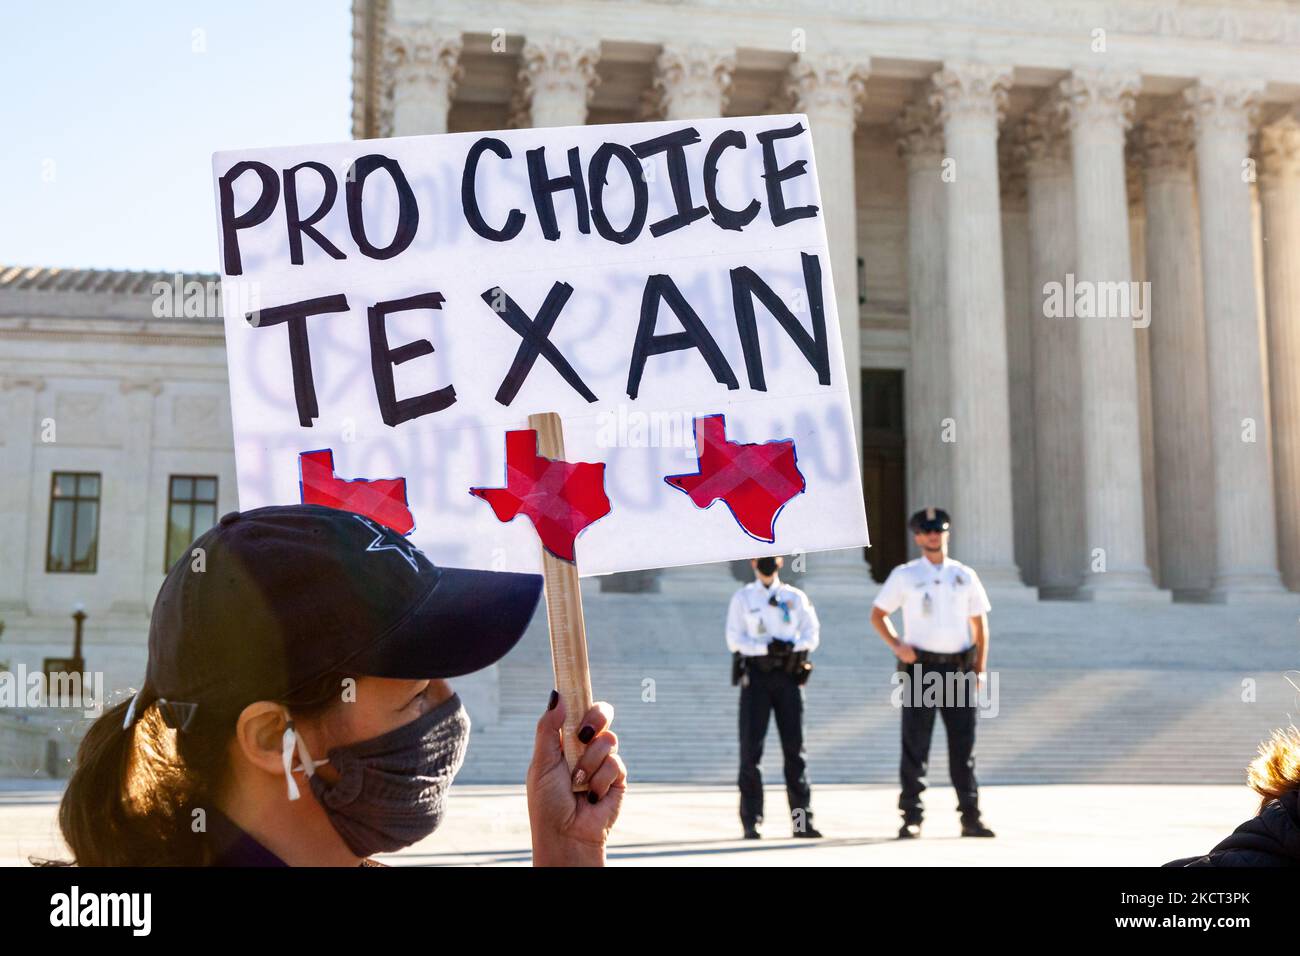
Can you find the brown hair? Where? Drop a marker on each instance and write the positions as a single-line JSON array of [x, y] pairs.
[[131, 794]]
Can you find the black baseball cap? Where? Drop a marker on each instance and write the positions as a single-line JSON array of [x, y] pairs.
[[929, 519], [287, 594]]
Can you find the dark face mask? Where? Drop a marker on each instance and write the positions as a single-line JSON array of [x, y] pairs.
[[766, 566], [392, 788]]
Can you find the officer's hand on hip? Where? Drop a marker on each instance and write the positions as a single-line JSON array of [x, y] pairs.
[[905, 653]]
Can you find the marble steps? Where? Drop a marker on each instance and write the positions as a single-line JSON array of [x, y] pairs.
[[1095, 726]]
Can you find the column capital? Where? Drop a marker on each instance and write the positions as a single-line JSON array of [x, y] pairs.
[[1224, 104], [834, 82], [693, 73], [420, 54], [1099, 98], [920, 134], [559, 64], [1279, 149], [415, 56], [965, 89]]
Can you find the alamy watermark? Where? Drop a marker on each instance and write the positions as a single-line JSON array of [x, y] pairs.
[[1086, 299], [623, 427], [918, 686], [39, 691], [133, 911], [181, 298]]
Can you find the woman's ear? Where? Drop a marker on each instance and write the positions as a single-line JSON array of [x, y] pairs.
[[259, 735]]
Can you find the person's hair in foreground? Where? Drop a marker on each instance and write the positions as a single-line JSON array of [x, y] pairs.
[[312, 645], [1272, 836], [132, 795], [1276, 771]]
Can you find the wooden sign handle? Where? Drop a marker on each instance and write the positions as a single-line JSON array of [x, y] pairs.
[[564, 613]]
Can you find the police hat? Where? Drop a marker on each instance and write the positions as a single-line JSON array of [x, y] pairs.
[[929, 519]]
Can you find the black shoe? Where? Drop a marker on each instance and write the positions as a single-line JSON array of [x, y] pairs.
[[808, 833], [976, 829], [909, 831], [751, 833]]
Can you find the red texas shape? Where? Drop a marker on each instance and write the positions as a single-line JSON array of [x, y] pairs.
[[754, 481], [383, 499], [560, 498]]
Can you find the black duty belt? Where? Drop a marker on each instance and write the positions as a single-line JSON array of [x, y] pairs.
[[794, 663], [772, 662], [961, 657]]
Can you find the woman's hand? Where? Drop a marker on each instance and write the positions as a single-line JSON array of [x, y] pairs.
[[570, 829]]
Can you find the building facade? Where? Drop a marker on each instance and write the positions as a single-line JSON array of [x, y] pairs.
[[117, 451], [1065, 239], [1068, 225]]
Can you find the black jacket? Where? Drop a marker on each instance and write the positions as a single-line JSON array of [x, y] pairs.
[[229, 845], [1270, 839]]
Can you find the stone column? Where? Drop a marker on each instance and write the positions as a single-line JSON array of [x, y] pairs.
[[692, 81], [558, 76], [1098, 106], [970, 98], [1279, 192], [1137, 226], [21, 433], [1245, 532], [1180, 397], [1020, 349], [423, 69], [929, 405], [1058, 439], [830, 89]]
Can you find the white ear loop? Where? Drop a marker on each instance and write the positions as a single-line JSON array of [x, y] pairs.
[[130, 710], [291, 740]]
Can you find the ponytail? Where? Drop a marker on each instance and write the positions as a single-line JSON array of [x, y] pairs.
[[137, 792], [128, 801]]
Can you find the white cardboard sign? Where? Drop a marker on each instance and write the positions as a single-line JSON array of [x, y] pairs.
[[397, 306]]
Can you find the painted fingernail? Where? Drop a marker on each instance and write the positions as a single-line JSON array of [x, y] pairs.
[[580, 778], [555, 699], [586, 733], [591, 796]]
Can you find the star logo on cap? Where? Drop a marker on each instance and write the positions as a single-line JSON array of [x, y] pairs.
[[379, 544]]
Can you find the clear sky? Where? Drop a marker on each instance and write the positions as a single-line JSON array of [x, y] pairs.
[[113, 109]]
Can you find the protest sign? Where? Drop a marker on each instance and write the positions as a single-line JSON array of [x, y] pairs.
[[395, 310]]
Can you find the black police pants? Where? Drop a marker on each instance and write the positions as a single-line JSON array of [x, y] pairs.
[[765, 694], [959, 712]]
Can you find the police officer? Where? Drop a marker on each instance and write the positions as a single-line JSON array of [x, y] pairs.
[[945, 633], [771, 630]]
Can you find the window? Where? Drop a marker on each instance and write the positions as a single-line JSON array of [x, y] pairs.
[[191, 510], [73, 541]]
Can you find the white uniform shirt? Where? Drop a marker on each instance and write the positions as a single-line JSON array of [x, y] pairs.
[[938, 602], [752, 621]]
